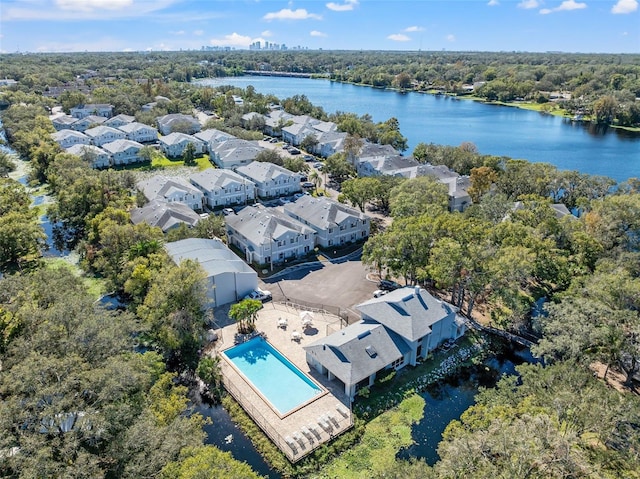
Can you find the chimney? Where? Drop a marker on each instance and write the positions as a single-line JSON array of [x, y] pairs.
[[416, 290]]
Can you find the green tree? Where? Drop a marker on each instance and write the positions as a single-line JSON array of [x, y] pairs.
[[173, 311], [189, 154], [359, 191], [270, 156], [417, 196], [207, 462]]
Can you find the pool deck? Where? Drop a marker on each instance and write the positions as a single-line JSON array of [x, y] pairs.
[[314, 423]]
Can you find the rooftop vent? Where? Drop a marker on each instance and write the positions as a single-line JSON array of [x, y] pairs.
[[371, 351]]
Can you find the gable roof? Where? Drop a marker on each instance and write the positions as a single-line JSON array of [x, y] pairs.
[[235, 150], [121, 117], [135, 126], [322, 212], [408, 311], [164, 215], [358, 351], [81, 150], [262, 225], [176, 118], [91, 120], [262, 172], [215, 178], [159, 186], [120, 146], [64, 120], [176, 138], [212, 134], [63, 134], [102, 130]]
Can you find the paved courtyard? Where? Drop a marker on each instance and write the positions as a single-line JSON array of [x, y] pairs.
[[316, 421]]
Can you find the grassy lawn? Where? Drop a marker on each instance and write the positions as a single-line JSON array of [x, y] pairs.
[[95, 286], [382, 439]]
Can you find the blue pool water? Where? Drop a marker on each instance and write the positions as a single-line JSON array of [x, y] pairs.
[[273, 375]]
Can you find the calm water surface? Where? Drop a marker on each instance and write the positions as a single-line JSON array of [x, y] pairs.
[[495, 130]]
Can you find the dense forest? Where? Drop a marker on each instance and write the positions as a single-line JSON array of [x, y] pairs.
[[87, 392], [601, 86]]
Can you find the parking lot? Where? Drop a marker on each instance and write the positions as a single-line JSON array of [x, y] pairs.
[[342, 285]]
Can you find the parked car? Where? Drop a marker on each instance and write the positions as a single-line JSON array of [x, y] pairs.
[[379, 292], [298, 195], [307, 184], [273, 140], [259, 294], [304, 178], [284, 201], [388, 285], [308, 158], [228, 211], [294, 151], [317, 164]]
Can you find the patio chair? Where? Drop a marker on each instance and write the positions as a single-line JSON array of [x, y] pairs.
[[324, 424], [342, 410], [291, 443]]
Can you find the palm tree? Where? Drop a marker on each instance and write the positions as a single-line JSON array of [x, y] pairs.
[[316, 179]]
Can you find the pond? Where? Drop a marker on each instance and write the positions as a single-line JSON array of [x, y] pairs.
[[448, 400], [445, 402]]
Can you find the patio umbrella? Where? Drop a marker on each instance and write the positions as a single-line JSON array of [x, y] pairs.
[[306, 317]]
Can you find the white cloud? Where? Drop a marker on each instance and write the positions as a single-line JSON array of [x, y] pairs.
[[451, 38], [288, 14], [234, 40], [342, 7], [90, 5], [493, 3], [625, 6], [70, 10], [198, 33], [528, 4], [414, 29], [316, 33], [399, 37], [267, 33], [179, 32], [567, 5]]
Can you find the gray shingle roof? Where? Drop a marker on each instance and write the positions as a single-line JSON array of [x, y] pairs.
[[213, 134], [159, 186], [62, 134], [261, 225], [322, 212], [135, 126], [102, 130], [121, 145], [177, 138], [356, 352], [261, 172], [408, 311], [164, 215], [215, 178]]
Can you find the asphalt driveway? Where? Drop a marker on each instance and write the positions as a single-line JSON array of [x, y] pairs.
[[333, 284]]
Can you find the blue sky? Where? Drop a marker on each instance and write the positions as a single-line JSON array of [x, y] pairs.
[[599, 26]]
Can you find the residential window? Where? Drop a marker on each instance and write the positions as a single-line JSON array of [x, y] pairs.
[[292, 240], [330, 230], [397, 363]]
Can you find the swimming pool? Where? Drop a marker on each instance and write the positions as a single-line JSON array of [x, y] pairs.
[[272, 375]]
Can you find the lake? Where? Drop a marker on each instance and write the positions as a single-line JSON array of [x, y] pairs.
[[495, 130]]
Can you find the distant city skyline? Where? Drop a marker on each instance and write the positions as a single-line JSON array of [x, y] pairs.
[[600, 26]]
